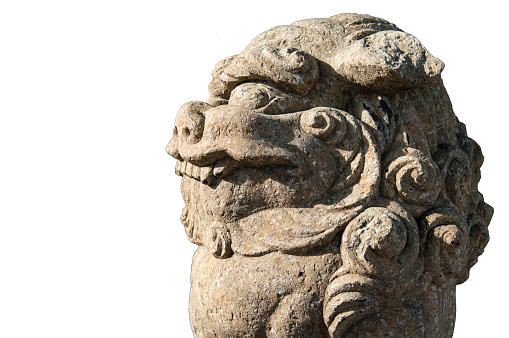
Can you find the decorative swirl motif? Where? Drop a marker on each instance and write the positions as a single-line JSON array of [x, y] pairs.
[[319, 123], [218, 240], [349, 299], [376, 112], [216, 237], [357, 154], [456, 171], [478, 238], [378, 247], [478, 235], [191, 226], [411, 178], [377, 244], [475, 156], [445, 243]]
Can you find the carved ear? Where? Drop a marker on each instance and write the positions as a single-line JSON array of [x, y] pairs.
[[388, 61]]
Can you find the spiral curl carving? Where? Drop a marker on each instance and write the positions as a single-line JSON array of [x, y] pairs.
[[411, 178], [478, 238], [443, 232], [478, 221], [378, 244], [379, 247], [218, 240], [456, 172], [348, 299]]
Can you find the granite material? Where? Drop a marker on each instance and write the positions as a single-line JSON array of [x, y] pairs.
[[329, 186]]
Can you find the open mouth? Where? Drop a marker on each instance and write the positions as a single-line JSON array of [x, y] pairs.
[[223, 167]]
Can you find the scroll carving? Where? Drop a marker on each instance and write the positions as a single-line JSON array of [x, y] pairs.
[[412, 178], [378, 248]]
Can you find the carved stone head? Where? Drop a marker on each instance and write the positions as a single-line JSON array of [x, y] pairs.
[[330, 187]]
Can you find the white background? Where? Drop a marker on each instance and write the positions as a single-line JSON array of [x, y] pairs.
[[90, 239]]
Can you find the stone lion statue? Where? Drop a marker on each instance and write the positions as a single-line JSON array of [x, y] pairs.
[[329, 186]]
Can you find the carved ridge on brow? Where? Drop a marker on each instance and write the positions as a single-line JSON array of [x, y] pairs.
[[287, 68]]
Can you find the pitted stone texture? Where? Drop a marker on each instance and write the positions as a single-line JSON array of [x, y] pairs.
[[330, 187]]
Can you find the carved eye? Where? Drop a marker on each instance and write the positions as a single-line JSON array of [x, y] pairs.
[[266, 99], [251, 96]]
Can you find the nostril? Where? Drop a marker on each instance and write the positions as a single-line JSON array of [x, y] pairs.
[[190, 122], [192, 129]]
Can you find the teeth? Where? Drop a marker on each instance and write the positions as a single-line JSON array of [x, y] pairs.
[[219, 169], [196, 172], [206, 174], [224, 167], [202, 174], [188, 169], [178, 168], [191, 170]]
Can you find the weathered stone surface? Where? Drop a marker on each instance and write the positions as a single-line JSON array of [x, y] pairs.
[[330, 187]]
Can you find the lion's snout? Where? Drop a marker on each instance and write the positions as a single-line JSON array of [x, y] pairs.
[[228, 137]]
